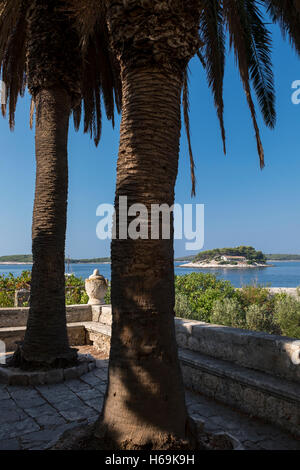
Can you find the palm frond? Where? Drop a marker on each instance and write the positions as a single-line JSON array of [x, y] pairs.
[[31, 116], [101, 78], [85, 13], [14, 66], [201, 58], [212, 36], [77, 116], [287, 14], [186, 109], [9, 15], [235, 15], [101, 72], [260, 64]]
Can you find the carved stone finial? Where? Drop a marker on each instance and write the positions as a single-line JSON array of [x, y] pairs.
[[96, 287]]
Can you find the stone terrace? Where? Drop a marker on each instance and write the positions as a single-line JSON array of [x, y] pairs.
[[36, 417], [241, 383]]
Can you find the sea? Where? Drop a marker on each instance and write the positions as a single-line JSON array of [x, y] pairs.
[[280, 274]]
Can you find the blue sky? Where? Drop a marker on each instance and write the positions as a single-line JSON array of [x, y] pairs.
[[243, 205]]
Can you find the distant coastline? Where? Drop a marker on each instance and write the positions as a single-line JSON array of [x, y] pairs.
[[27, 259], [17, 263], [187, 261]]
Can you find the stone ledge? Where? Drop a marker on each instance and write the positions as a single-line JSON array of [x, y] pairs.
[[256, 393], [289, 391], [76, 333], [98, 328], [17, 316], [15, 376], [255, 350]]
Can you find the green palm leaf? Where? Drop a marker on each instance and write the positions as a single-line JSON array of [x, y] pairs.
[[287, 14], [212, 36], [260, 64], [235, 15]]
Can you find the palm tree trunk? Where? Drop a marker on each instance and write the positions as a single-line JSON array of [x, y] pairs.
[[145, 403], [46, 338]]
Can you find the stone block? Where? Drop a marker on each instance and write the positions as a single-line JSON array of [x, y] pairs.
[[54, 376]]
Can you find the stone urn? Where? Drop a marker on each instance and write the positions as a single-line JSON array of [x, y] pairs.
[[96, 287]]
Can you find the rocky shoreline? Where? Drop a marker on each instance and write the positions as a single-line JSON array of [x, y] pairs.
[[224, 266], [14, 262]]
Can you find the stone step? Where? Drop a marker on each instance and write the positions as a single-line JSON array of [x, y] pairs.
[[99, 335], [256, 393], [246, 433]]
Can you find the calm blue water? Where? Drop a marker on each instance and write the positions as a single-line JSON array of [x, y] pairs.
[[282, 274]]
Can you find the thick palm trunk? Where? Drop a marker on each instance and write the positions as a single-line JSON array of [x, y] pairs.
[[53, 70], [145, 402], [46, 338]]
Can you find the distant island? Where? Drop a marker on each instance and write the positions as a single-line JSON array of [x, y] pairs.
[[16, 259], [269, 257], [27, 259], [239, 257]]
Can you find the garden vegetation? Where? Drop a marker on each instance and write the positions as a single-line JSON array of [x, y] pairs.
[[201, 297]]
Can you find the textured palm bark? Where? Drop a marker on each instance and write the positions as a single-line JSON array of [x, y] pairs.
[[46, 338], [145, 404], [53, 69]]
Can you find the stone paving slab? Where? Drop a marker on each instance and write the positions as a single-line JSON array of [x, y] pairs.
[[35, 417], [252, 433]]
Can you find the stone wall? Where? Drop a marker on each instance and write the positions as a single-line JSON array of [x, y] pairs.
[[254, 350], [17, 316], [256, 373]]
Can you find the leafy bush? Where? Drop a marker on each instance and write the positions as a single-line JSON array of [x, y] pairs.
[[75, 292], [287, 316], [228, 312], [202, 290], [255, 295], [7, 299], [204, 297], [8, 285], [182, 306], [107, 297], [258, 318]]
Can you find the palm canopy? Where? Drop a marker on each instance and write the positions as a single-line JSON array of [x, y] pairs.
[[250, 39], [243, 21], [97, 72]]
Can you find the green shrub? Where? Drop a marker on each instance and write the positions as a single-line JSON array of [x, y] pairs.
[[202, 290], [258, 318], [255, 295], [7, 299], [9, 283], [75, 292], [228, 312], [287, 316], [107, 297], [182, 306]]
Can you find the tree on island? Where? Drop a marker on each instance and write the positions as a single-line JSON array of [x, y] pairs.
[[154, 41], [247, 252], [40, 49]]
